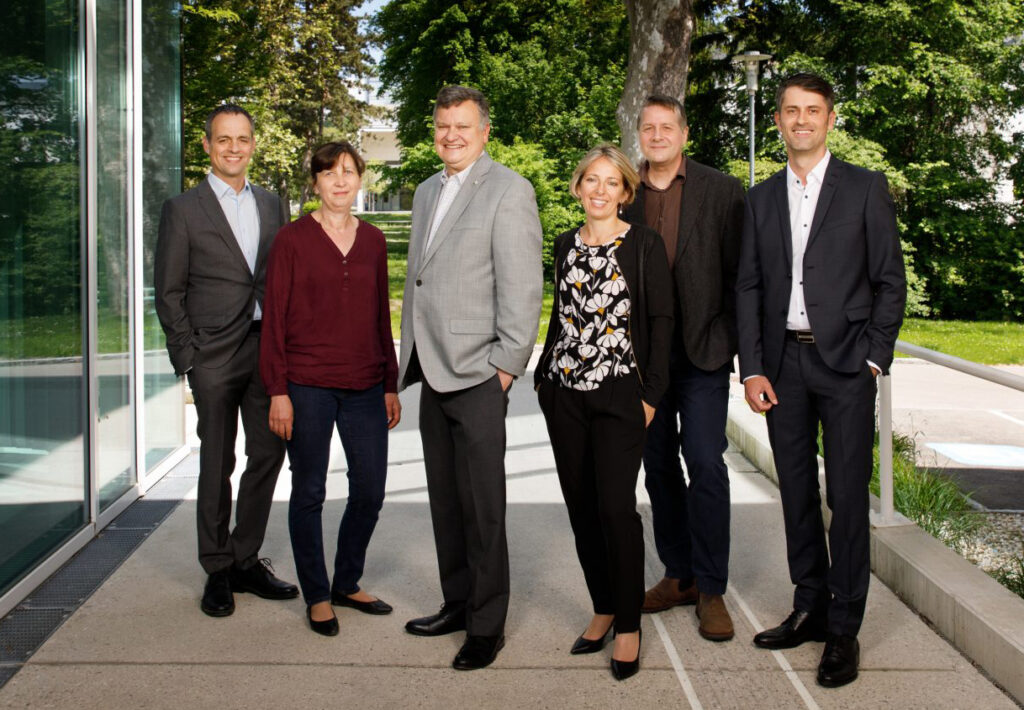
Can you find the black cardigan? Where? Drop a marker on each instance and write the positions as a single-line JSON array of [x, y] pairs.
[[644, 266]]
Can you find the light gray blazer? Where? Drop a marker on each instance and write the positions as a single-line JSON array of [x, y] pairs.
[[472, 302]]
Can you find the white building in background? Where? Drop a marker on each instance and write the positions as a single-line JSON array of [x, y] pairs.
[[378, 144]]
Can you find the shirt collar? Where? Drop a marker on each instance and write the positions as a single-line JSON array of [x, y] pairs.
[[459, 177], [222, 189], [817, 173], [645, 170]]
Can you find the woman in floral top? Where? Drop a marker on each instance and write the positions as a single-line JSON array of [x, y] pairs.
[[603, 371]]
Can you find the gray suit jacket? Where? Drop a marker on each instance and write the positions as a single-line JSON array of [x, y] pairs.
[[472, 302], [205, 293]]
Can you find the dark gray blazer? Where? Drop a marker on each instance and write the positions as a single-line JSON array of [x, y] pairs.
[[205, 293], [854, 281], [704, 270]]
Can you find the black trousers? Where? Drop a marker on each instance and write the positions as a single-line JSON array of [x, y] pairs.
[[463, 436], [219, 394], [598, 439], [810, 392]]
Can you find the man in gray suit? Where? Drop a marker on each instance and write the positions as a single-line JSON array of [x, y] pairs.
[[210, 269], [469, 322]]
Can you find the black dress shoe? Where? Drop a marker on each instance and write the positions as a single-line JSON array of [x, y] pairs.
[[839, 661], [626, 669], [798, 627], [585, 645], [324, 628], [376, 607], [450, 619], [217, 597], [260, 580], [478, 652]]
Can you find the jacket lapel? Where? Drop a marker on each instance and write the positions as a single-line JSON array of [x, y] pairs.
[[215, 213], [782, 208], [266, 208], [833, 173], [431, 188], [694, 189], [469, 188]]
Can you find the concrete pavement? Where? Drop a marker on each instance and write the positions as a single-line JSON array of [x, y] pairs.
[[141, 641]]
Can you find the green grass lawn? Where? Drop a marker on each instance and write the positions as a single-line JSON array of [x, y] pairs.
[[987, 342]]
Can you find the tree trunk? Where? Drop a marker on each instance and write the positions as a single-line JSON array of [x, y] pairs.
[[659, 59]]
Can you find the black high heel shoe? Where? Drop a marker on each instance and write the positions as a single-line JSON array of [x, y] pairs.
[[585, 645], [324, 628], [626, 669]]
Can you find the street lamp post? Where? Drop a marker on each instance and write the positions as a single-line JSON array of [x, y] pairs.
[[750, 61]]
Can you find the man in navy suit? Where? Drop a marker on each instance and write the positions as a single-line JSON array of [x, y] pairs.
[[820, 297]]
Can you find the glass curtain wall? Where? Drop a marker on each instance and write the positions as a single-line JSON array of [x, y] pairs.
[[161, 178], [115, 425], [43, 481], [70, 227]]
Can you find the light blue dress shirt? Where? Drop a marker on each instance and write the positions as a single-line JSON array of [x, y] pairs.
[[243, 218]]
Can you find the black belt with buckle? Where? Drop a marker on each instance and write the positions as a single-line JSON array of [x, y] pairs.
[[255, 326], [800, 336]]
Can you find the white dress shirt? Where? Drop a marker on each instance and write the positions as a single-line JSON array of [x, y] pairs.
[[803, 201], [243, 218], [450, 186]]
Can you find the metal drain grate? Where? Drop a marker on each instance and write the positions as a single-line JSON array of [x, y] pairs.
[[26, 628], [7, 672], [144, 514], [23, 631], [73, 583]]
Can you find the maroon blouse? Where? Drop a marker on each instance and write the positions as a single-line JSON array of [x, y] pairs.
[[326, 316]]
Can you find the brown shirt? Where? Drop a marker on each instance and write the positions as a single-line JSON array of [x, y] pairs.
[[662, 207]]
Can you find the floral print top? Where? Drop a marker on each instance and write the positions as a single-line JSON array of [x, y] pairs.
[[593, 312]]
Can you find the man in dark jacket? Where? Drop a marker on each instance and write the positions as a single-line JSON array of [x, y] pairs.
[[699, 213]]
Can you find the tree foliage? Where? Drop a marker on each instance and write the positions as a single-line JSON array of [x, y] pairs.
[[552, 70], [932, 84], [290, 63]]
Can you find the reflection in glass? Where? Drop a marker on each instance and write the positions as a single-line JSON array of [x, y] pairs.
[[161, 178], [42, 478], [115, 428]]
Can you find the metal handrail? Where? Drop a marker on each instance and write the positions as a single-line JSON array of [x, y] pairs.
[[974, 369]]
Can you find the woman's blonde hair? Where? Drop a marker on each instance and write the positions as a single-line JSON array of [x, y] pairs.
[[630, 177]]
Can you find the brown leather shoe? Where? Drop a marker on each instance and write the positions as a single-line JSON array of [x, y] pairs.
[[667, 594], [715, 623]]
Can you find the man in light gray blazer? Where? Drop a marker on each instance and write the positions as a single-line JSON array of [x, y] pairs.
[[209, 273], [469, 323]]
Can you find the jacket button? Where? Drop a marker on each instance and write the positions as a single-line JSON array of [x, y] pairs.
[[419, 282]]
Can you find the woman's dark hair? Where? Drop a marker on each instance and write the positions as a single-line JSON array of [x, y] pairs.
[[328, 155]]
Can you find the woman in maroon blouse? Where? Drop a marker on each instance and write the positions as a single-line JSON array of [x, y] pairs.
[[327, 359]]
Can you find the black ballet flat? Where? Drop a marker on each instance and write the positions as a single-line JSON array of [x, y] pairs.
[[324, 628], [585, 645], [626, 669]]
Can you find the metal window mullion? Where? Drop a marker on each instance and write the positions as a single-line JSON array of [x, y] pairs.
[[137, 347], [87, 128]]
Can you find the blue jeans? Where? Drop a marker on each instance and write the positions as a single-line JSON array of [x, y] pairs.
[[691, 518], [361, 420]]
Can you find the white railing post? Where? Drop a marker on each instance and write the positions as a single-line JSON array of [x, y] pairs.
[[885, 492]]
